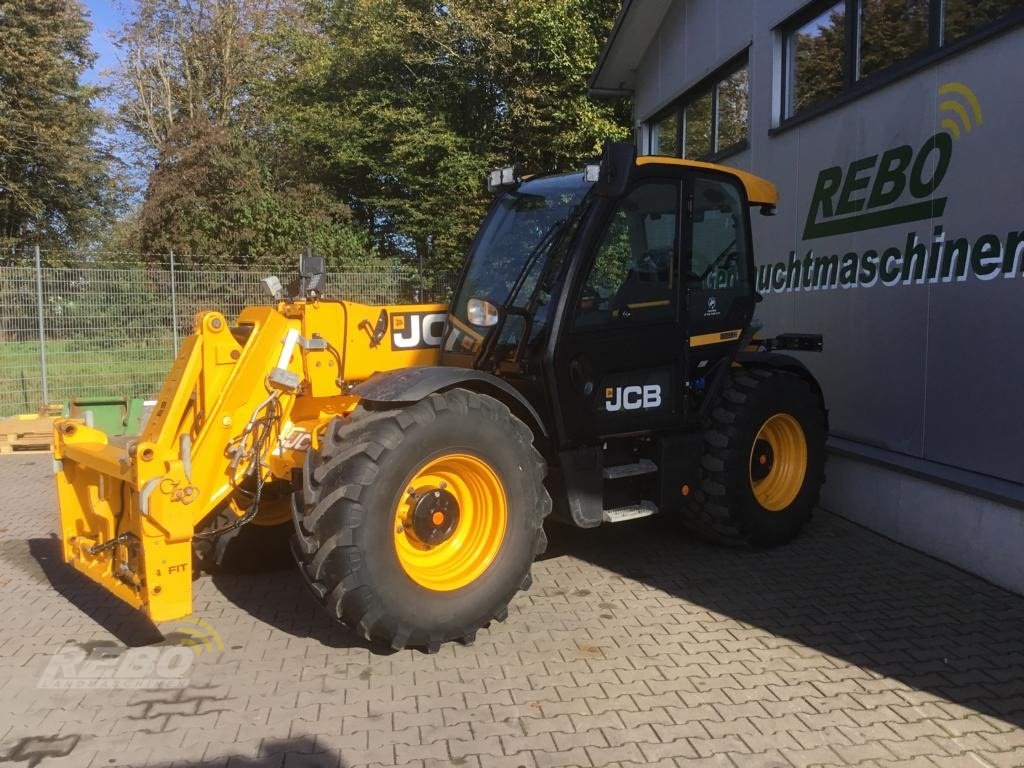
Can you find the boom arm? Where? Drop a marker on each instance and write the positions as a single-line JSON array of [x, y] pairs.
[[240, 406]]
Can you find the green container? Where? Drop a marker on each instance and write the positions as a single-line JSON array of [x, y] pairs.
[[113, 415]]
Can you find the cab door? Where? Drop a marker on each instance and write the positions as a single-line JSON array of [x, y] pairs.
[[720, 290], [618, 360]]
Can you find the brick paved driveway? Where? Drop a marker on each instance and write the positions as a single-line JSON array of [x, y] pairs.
[[635, 646]]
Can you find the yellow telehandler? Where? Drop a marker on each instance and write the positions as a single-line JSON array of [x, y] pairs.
[[597, 361]]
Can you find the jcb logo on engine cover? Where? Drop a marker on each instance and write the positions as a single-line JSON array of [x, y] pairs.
[[416, 330], [632, 398]]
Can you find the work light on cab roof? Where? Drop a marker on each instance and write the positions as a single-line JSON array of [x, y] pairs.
[[503, 180]]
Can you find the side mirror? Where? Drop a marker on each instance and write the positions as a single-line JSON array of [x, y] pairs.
[[617, 164]]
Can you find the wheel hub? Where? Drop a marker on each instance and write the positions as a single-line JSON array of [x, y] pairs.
[[450, 522], [778, 462], [435, 516], [761, 460]]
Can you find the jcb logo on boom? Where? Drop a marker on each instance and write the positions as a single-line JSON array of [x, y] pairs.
[[632, 398], [416, 330]]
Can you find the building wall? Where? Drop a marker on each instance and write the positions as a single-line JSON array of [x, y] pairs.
[[924, 370]]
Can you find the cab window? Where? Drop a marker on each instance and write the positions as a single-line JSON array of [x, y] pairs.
[[633, 274], [719, 259]]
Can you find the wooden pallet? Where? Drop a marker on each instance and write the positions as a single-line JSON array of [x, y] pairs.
[[26, 435]]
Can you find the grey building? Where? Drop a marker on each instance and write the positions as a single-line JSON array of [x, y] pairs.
[[894, 130]]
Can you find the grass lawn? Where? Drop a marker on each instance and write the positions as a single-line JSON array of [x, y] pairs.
[[81, 368]]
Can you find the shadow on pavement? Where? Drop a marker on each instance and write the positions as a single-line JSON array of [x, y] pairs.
[[837, 589], [43, 560], [842, 591], [276, 597], [280, 598], [301, 751]]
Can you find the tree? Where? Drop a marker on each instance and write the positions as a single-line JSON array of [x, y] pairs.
[[214, 200], [219, 185], [546, 118], [401, 105], [390, 109], [56, 179], [198, 61]]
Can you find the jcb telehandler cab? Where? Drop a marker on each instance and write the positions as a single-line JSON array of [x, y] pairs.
[[598, 359]]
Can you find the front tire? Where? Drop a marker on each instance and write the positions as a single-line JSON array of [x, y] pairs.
[[763, 463], [417, 526]]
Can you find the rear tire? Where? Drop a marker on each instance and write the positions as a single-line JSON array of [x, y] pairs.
[[356, 546], [763, 463]]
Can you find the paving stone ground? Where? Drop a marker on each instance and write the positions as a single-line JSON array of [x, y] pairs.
[[636, 646]]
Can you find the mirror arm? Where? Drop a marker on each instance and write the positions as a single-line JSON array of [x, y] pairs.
[[491, 342], [527, 330]]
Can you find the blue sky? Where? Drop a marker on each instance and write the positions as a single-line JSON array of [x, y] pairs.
[[106, 17]]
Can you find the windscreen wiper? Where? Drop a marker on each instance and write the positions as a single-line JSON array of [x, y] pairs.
[[491, 341], [719, 260], [535, 254]]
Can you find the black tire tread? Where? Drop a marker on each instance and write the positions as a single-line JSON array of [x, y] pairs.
[[351, 451], [712, 510]]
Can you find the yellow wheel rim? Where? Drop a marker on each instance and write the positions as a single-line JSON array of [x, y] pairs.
[[778, 462], [476, 508]]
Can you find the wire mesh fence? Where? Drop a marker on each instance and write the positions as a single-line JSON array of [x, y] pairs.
[[112, 330]]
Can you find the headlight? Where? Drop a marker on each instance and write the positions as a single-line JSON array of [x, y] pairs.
[[480, 312]]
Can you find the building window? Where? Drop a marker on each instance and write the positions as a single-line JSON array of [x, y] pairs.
[[816, 51], [665, 135], [830, 47], [698, 128], [890, 32], [708, 121], [733, 110], [961, 18]]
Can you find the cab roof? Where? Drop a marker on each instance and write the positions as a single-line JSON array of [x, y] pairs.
[[759, 191]]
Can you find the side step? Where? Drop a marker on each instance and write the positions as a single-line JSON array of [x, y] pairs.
[[630, 512], [642, 467]]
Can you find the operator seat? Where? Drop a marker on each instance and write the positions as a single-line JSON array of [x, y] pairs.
[[647, 282]]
